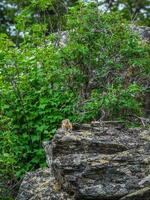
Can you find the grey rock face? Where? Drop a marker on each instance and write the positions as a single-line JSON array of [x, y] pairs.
[[138, 195], [40, 185], [102, 162], [143, 31], [93, 162]]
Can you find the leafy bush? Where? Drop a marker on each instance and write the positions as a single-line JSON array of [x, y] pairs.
[[102, 68], [112, 60]]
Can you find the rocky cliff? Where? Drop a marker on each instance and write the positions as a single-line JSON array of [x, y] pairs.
[[97, 162]]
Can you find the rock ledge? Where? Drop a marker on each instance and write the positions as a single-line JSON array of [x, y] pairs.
[[94, 162]]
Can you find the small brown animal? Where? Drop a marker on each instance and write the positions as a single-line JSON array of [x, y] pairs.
[[66, 125]]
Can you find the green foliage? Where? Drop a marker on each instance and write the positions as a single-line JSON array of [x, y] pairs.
[[110, 58], [134, 10], [115, 102], [102, 68], [30, 12], [51, 13]]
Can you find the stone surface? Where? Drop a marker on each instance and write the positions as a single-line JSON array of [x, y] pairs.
[[143, 31], [40, 185], [139, 195], [102, 162], [93, 162]]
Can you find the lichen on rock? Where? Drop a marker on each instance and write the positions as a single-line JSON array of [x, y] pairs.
[[93, 162]]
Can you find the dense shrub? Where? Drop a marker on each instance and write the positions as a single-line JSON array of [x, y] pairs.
[[101, 70], [112, 60]]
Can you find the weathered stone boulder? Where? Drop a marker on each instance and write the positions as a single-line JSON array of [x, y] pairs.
[[40, 185], [143, 31], [96, 162]]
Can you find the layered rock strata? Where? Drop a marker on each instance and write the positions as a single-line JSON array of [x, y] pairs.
[[95, 162]]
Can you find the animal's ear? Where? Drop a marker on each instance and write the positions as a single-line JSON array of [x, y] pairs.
[[63, 121]]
